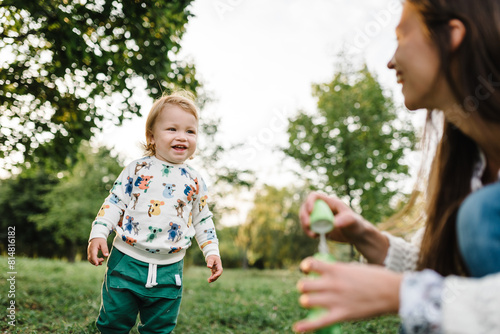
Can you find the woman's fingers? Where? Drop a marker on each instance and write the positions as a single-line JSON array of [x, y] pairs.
[[347, 291], [335, 204], [326, 319]]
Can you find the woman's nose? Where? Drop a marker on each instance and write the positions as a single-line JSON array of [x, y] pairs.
[[390, 64]]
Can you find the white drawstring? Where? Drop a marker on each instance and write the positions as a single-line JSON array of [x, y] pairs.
[[151, 281]]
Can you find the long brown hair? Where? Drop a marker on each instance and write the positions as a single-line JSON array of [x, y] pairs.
[[474, 81]]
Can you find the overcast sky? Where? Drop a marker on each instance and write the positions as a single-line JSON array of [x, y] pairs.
[[257, 59]]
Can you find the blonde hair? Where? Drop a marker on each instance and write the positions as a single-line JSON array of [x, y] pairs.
[[182, 99]]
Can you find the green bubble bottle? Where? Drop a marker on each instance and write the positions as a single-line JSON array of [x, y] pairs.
[[322, 222]]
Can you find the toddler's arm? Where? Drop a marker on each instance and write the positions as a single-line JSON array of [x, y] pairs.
[[215, 264], [95, 245]]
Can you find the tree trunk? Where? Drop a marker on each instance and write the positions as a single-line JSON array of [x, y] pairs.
[[244, 260], [71, 250]]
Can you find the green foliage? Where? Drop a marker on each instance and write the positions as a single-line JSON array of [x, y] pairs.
[[57, 297], [354, 144], [67, 66], [272, 236], [231, 255], [55, 208], [72, 204], [20, 198]]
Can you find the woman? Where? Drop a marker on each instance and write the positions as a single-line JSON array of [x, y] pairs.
[[447, 61]]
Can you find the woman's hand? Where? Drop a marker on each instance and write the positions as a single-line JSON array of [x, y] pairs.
[[349, 227], [347, 291]]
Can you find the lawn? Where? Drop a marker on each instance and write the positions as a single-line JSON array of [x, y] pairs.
[[58, 297]]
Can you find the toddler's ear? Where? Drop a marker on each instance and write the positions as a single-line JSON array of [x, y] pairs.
[[457, 33]]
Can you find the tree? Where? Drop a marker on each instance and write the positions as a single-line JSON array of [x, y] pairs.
[[71, 206], [272, 236], [68, 66], [225, 182], [20, 199], [55, 207], [355, 144]]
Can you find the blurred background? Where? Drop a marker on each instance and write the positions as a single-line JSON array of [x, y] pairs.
[[294, 95]]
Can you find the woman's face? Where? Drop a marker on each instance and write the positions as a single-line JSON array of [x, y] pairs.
[[416, 62]]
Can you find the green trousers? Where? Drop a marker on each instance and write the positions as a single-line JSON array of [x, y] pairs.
[[124, 295]]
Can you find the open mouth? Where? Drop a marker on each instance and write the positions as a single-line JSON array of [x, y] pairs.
[[179, 147], [399, 78]]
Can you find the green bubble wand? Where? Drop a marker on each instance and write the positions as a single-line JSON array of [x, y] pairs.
[[321, 220]]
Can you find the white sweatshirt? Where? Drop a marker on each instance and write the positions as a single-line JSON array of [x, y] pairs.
[[156, 208]]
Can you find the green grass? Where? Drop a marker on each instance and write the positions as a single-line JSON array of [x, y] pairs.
[[59, 297]]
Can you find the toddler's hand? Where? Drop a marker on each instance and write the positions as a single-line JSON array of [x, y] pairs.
[[95, 245], [215, 264]]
